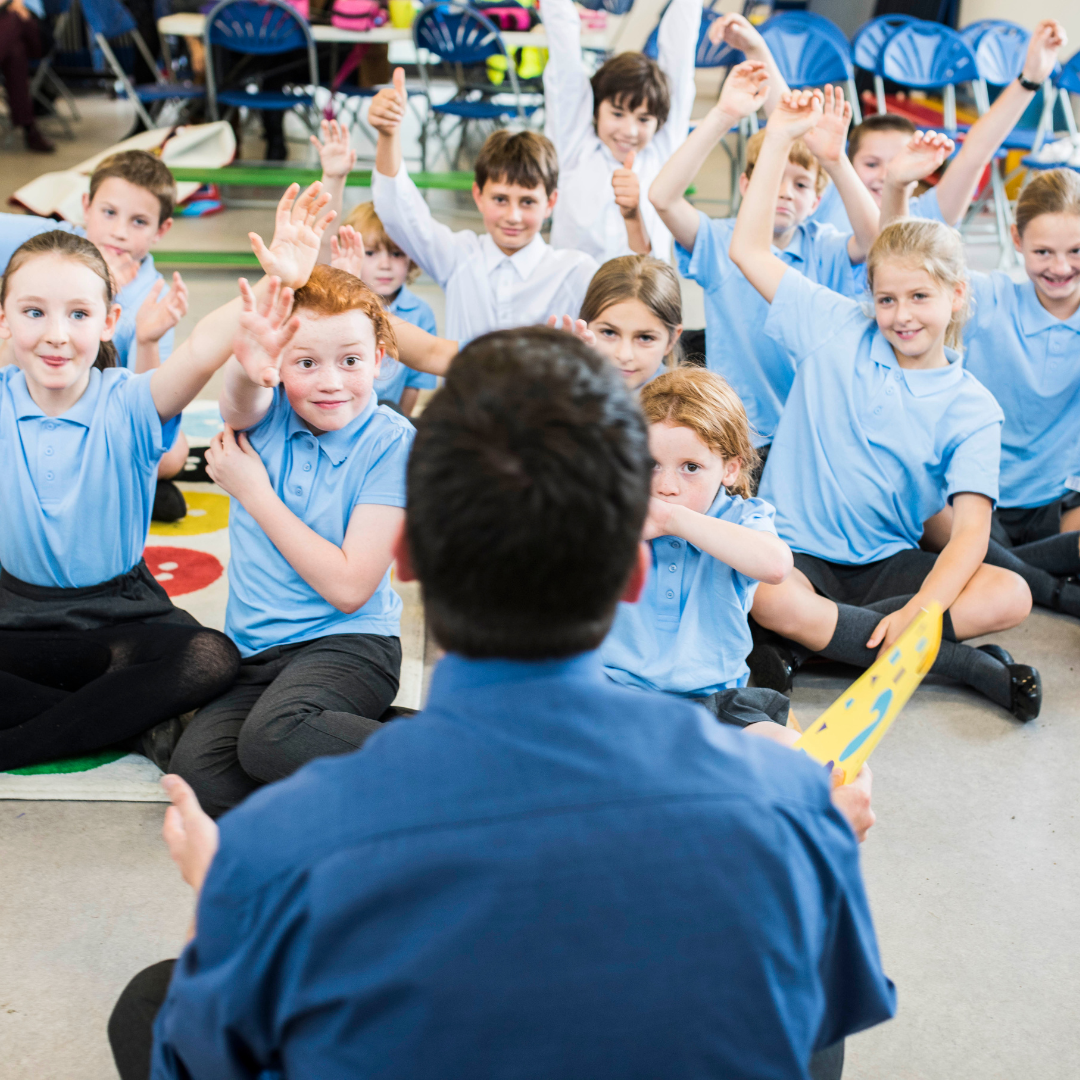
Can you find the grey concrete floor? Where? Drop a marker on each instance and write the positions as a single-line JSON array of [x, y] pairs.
[[971, 870]]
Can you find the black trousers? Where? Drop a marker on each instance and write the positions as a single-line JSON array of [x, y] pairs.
[[288, 705], [131, 1025]]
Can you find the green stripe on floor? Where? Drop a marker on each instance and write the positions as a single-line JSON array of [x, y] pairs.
[[253, 176], [241, 260]]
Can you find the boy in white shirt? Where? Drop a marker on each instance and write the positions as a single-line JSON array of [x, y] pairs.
[[614, 132], [507, 277]]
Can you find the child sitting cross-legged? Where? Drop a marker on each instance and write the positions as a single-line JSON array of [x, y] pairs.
[[507, 277], [882, 429], [316, 471], [710, 544]]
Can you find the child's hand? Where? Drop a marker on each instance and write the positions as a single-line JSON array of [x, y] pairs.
[[190, 834], [658, 522], [155, 319], [738, 32], [233, 464], [124, 268], [578, 327], [853, 800], [347, 251], [797, 112], [335, 156], [828, 139], [1043, 48], [924, 153], [387, 108], [265, 332], [627, 189], [298, 232], [745, 89], [892, 626]]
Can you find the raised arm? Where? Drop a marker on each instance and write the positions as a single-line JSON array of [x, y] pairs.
[[156, 317], [337, 160], [738, 32], [921, 157], [568, 99], [344, 576], [989, 131], [290, 259], [744, 90], [751, 243], [827, 142], [675, 49]]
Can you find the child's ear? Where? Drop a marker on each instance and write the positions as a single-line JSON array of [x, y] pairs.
[[552, 199], [959, 295], [744, 183], [1015, 237], [85, 203], [163, 228], [111, 320], [635, 583], [732, 468], [405, 571], [477, 192], [5, 330]]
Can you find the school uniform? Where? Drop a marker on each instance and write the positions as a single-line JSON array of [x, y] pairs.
[[1026, 358], [586, 217], [866, 450], [78, 490], [485, 289], [394, 376], [515, 850], [314, 680], [831, 210], [16, 229], [759, 369]]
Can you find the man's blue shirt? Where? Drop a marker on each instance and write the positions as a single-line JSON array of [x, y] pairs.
[[541, 875]]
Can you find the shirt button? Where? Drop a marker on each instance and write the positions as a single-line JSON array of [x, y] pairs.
[[877, 411], [48, 451], [898, 376], [48, 476], [673, 568], [675, 544], [889, 391], [670, 594], [49, 427], [299, 491], [307, 466]]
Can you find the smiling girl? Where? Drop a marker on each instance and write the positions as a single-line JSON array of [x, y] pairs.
[[883, 428], [317, 479]]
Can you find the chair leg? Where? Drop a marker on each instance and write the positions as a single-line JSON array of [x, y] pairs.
[[62, 88], [879, 93], [121, 75], [1001, 214]]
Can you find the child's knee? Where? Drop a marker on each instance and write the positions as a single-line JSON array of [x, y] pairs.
[[1004, 596]]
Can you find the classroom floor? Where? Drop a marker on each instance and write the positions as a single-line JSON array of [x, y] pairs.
[[971, 869]]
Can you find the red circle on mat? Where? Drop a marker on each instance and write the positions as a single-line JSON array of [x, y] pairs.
[[181, 570]]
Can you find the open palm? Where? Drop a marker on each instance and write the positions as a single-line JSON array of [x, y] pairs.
[[745, 89], [298, 231], [923, 155], [264, 333], [828, 139]]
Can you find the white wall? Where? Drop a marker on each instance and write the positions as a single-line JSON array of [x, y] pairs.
[[1067, 12]]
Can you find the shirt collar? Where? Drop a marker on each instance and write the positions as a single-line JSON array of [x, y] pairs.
[[82, 412], [405, 301], [524, 261], [794, 251], [1034, 318], [921, 383], [455, 673], [336, 445]]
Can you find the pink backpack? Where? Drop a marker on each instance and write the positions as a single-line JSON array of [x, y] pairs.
[[357, 14]]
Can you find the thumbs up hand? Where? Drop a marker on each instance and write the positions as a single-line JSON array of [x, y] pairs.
[[387, 108], [624, 181]]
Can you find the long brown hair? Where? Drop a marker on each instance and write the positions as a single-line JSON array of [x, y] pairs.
[[78, 249], [704, 402], [1054, 192], [637, 277]]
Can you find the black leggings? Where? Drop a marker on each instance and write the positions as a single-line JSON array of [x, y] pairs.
[[70, 692]]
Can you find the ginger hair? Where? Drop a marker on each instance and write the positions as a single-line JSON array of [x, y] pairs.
[[330, 291]]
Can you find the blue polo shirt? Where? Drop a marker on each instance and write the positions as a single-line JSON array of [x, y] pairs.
[[1028, 359], [394, 376], [831, 210], [16, 229], [688, 633], [868, 450], [542, 875], [77, 489], [321, 479], [760, 371]]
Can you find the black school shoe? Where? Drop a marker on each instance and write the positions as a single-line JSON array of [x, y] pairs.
[[169, 504], [772, 666], [1025, 684]]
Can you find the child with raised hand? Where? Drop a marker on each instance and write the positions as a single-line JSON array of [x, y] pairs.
[[92, 651], [879, 138], [508, 276], [710, 543], [760, 370], [883, 427], [337, 158], [316, 471], [363, 249], [614, 132]]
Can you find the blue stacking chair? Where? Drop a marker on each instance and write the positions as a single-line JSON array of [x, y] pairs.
[[1063, 82], [108, 20], [259, 28], [44, 72], [453, 43], [867, 44], [810, 51]]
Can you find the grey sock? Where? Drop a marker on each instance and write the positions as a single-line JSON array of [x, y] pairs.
[[895, 603], [961, 662], [1060, 555], [1046, 589]]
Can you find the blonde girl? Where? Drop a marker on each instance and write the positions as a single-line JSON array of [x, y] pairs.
[[882, 429], [711, 544]]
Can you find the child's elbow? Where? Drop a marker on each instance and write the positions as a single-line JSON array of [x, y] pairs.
[[782, 565]]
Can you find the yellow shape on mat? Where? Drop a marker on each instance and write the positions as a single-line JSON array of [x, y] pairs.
[[850, 728], [207, 512]]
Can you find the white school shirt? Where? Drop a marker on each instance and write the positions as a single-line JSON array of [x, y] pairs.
[[485, 289], [586, 216]]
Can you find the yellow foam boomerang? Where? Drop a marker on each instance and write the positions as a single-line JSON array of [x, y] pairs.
[[849, 729]]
